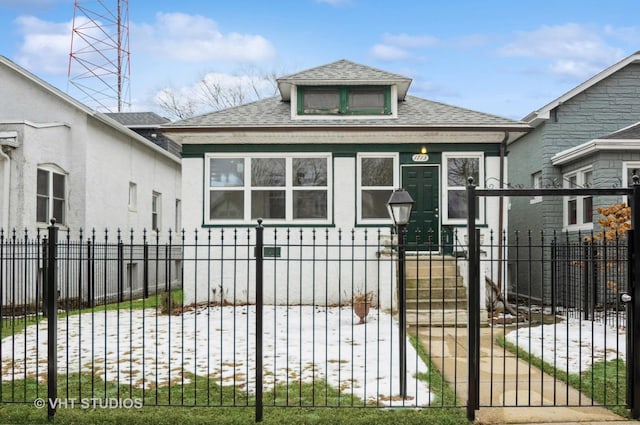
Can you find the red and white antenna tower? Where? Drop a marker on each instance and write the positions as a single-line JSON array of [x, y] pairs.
[[99, 67]]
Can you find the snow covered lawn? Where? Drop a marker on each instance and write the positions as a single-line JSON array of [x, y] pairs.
[[573, 345], [143, 348]]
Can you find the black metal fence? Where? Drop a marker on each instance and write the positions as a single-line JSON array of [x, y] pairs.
[[254, 317], [588, 275], [182, 320]]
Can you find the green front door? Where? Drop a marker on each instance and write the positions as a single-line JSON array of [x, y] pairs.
[[422, 183]]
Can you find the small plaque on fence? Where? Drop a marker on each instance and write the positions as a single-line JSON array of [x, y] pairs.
[[269, 251]]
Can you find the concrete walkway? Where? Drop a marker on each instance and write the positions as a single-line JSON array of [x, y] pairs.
[[509, 383]]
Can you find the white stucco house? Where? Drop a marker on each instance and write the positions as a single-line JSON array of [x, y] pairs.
[[59, 158], [326, 153]]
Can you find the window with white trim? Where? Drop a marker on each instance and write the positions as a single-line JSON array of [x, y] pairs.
[[457, 169], [156, 211], [50, 196], [133, 196], [178, 215], [629, 169], [536, 182], [278, 188], [376, 180], [578, 209], [344, 100]]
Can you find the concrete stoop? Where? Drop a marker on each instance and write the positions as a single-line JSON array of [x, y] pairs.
[[435, 292]]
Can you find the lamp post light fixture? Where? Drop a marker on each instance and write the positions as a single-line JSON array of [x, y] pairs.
[[400, 204]]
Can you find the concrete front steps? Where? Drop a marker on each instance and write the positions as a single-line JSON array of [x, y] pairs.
[[436, 295]]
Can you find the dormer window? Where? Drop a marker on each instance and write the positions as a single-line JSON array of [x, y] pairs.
[[344, 100]]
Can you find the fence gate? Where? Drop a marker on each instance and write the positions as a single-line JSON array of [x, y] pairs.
[[583, 322]]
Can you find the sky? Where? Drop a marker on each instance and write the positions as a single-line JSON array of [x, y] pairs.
[[503, 57]]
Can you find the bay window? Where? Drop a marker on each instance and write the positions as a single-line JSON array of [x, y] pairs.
[[273, 187]]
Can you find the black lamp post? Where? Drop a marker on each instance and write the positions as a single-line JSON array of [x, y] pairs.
[[400, 204]]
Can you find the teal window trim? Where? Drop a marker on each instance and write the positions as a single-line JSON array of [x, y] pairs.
[[344, 109]]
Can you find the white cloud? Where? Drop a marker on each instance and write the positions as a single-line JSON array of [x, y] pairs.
[[389, 53], [193, 38], [574, 50], [409, 41], [46, 45], [630, 35], [400, 46]]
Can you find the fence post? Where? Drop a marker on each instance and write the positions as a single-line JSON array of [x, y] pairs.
[[120, 269], [554, 277], [259, 254], [52, 319], [90, 274], [473, 303], [633, 370], [145, 266], [585, 279], [594, 278]]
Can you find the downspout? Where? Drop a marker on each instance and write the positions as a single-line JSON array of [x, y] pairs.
[[5, 190], [503, 149]]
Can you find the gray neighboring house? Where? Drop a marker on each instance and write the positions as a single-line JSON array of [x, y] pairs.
[[588, 137]]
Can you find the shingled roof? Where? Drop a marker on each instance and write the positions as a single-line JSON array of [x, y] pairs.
[[342, 72], [138, 119], [413, 112], [631, 132]]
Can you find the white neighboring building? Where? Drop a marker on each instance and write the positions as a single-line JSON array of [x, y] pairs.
[[59, 158]]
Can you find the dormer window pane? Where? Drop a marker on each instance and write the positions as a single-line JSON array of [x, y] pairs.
[[322, 100], [344, 100], [366, 99]]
